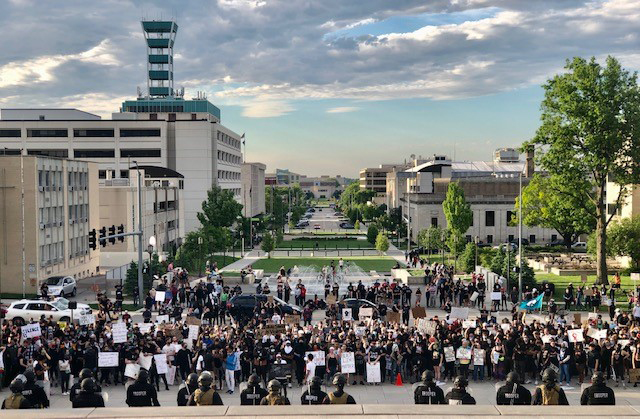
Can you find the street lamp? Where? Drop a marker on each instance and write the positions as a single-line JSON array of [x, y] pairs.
[[520, 236], [152, 244], [476, 240]]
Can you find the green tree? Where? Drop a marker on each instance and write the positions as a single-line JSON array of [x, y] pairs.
[[468, 258], [590, 133], [546, 204], [624, 240], [372, 234], [356, 225], [220, 209], [459, 217], [498, 261], [382, 242], [268, 243], [191, 254], [131, 279], [430, 238], [509, 265]]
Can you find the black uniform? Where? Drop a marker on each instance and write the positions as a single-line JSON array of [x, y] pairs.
[[456, 396], [513, 394], [251, 396], [142, 394], [598, 395], [313, 397], [428, 393], [75, 390], [183, 395], [35, 395], [88, 400]]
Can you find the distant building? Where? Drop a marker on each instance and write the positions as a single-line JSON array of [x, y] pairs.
[[253, 189], [320, 187], [58, 215]]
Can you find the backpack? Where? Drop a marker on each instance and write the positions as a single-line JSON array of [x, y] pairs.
[[14, 401]]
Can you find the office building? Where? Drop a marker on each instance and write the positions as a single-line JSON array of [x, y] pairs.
[[253, 189]]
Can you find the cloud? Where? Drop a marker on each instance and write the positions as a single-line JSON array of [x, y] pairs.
[[343, 109], [266, 108]]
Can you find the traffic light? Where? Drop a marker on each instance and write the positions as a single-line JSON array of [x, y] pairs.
[[112, 231], [103, 234], [92, 239], [121, 231]]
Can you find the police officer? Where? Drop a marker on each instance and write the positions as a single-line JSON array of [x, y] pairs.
[[339, 396], [88, 396], [75, 389], [16, 400], [459, 394], [598, 393], [512, 393], [33, 392], [549, 393], [141, 393], [253, 394], [427, 392], [189, 387], [204, 394], [314, 394], [274, 398]]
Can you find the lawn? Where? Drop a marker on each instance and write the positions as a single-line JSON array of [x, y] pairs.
[[324, 244], [223, 260], [366, 263]]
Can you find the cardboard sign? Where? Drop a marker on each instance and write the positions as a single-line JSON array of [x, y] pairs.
[[596, 334], [145, 327], [461, 313], [468, 324], [145, 361], [193, 320], [161, 363], [474, 296], [272, 329], [107, 359], [194, 330], [419, 312], [546, 338], [346, 314], [318, 357], [86, 320], [119, 332], [160, 296], [496, 296], [162, 319], [31, 330], [373, 372], [425, 326], [478, 356], [292, 319], [449, 354], [393, 317], [366, 312], [360, 330], [463, 353], [131, 370], [575, 335], [331, 299], [634, 375], [348, 363]]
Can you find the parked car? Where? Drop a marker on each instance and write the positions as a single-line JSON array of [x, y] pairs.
[[555, 243], [23, 311], [302, 224], [579, 246], [61, 286], [346, 225], [525, 242], [311, 210], [63, 301], [242, 306], [503, 246], [355, 304]]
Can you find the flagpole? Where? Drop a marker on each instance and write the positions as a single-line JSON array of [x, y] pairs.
[[244, 143]]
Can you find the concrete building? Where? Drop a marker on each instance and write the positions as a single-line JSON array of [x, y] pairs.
[[56, 218], [321, 187], [283, 177], [253, 192], [162, 212]]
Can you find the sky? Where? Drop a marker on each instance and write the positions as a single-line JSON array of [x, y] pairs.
[[323, 86]]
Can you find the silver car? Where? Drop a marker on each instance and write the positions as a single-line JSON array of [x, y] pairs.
[[61, 286]]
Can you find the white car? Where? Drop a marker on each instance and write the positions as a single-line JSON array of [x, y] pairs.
[[63, 301], [579, 246], [61, 286], [24, 311]]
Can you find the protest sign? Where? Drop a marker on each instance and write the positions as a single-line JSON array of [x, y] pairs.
[[107, 359], [119, 332], [348, 363], [272, 329], [131, 370], [360, 330], [505, 326], [365, 312], [160, 296], [194, 330], [171, 375], [292, 319], [62, 325], [145, 327], [546, 338], [31, 330], [463, 353], [161, 363], [425, 326], [634, 375], [162, 319], [496, 296], [474, 296], [592, 316], [145, 361], [373, 372], [623, 342], [418, 312], [449, 354], [318, 357], [86, 320], [575, 335], [459, 313], [346, 314], [193, 320], [468, 324], [583, 278], [393, 317], [478, 356]]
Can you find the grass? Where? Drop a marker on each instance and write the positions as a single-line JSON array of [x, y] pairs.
[[325, 243], [223, 260], [380, 264]]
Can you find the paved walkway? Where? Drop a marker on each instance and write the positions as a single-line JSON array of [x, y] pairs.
[[397, 254], [248, 259]]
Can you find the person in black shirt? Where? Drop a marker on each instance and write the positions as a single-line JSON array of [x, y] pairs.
[[513, 393], [88, 396], [314, 394], [598, 393], [428, 392], [75, 389], [141, 393], [189, 387], [459, 394], [253, 394], [33, 392]]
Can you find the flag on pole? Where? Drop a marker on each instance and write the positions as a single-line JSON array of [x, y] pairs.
[[242, 138], [534, 304]]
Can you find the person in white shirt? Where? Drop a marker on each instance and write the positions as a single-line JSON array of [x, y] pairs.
[[276, 318], [310, 369]]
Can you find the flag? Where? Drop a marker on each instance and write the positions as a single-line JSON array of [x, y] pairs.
[[242, 138], [534, 304]]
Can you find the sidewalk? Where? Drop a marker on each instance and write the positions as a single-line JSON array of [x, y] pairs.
[[397, 254], [249, 259]]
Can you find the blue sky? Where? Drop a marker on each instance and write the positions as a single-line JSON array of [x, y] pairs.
[[323, 87]]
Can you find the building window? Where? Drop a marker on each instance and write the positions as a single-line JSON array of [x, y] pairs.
[[153, 116], [511, 237], [102, 174], [95, 153], [11, 152], [152, 132], [434, 221], [490, 218], [10, 133], [140, 152], [554, 237], [468, 238], [532, 238], [49, 153], [490, 239], [510, 215], [172, 117], [93, 133], [193, 116], [47, 133], [124, 174]]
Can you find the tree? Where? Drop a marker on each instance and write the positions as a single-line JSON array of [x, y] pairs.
[[191, 254], [220, 209], [590, 133], [382, 242], [624, 240], [430, 238], [468, 258], [545, 204], [131, 280], [498, 261], [459, 217], [372, 234], [268, 243], [356, 226], [509, 265]]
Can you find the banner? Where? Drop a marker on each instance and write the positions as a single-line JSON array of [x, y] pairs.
[[107, 359], [449, 354], [86, 320], [131, 370], [119, 332], [346, 314], [534, 304], [418, 312], [31, 330], [318, 357], [160, 296], [459, 313], [575, 335], [348, 363], [373, 372], [161, 363], [474, 296]]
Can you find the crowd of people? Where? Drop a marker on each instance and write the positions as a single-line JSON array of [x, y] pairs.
[[197, 336]]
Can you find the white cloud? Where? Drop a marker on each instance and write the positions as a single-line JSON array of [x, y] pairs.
[[260, 108], [343, 109]]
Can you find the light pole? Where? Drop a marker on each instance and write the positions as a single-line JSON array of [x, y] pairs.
[[475, 240], [444, 237], [520, 237], [200, 261], [152, 244], [140, 280]]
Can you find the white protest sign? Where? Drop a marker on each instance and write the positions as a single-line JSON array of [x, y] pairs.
[[31, 330], [107, 359], [318, 357], [601, 334], [119, 332], [635, 276], [346, 314], [474, 296], [194, 330], [496, 296], [459, 313], [575, 335], [592, 316], [145, 327], [145, 361], [463, 353], [131, 370], [86, 320], [478, 356], [162, 319], [468, 324], [171, 375], [546, 338], [348, 363], [365, 312], [449, 354], [161, 363], [160, 296], [360, 330], [505, 326], [373, 372]]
